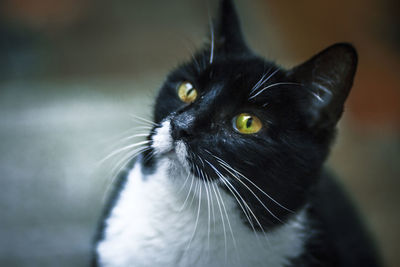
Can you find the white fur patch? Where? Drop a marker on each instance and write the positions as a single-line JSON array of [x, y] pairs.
[[149, 227], [162, 140]]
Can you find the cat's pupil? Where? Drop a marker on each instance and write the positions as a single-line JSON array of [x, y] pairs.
[[189, 91], [249, 122]]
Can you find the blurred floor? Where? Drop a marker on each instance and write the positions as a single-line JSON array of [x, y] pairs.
[[68, 85]]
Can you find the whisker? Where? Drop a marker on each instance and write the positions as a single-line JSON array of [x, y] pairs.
[[126, 135], [134, 136], [149, 122], [269, 77], [192, 54], [223, 205], [188, 194], [212, 35], [262, 81], [251, 182], [197, 217], [145, 127], [121, 167], [229, 186], [227, 218], [123, 149], [209, 188], [208, 204], [248, 188], [184, 183], [273, 85], [234, 193], [125, 159], [257, 85], [149, 156], [195, 191], [222, 219], [123, 140], [247, 208]]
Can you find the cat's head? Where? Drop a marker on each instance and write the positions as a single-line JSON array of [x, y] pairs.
[[253, 127]]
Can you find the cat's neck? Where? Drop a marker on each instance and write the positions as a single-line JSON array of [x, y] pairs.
[[156, 215]]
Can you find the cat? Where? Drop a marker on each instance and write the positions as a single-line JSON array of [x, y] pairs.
[[232, 171]]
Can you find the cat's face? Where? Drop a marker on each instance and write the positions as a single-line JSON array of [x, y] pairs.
[[260, 131]]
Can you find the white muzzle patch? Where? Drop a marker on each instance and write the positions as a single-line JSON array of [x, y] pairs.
[[163, 144]]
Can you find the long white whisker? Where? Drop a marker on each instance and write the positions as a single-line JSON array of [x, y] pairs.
[[227, 218], [217, 172], [144, 120], [196, 188], [208, 205], [222, 219], [273, 85], [261, 82], [120, 164], [209, 188], [192, 54], [121, 167], [144, 127], [234, 193], [269, 77], [124, 140], [134, 136], [123, 149], [121, 136], [223, 205], [258, 84], [227, 183], [224, 163], [188, 194], [197, 217], [247, 208], [118, 143], [251, 191], [184, 183], [212, 37], [212, 208]]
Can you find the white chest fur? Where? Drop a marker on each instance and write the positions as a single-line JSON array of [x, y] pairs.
[[156, 223]]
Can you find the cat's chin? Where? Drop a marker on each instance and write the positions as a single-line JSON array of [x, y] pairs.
[[177, 155]]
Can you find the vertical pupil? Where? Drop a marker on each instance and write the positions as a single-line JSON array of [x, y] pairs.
[[189, 91], [249, 122]]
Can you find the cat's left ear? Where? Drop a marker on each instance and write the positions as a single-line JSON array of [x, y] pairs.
[[228, 34], [328, 77]]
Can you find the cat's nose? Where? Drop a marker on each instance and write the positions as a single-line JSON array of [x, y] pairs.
[[182, 126]]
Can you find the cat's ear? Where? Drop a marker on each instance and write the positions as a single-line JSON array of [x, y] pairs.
[[228, 34], [328, 76]]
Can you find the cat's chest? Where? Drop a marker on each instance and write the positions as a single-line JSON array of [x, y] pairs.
[[155, 222]]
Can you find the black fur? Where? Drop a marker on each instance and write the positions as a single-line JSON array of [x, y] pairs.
[[299, 111]]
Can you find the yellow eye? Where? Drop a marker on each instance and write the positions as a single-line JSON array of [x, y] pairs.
[[186, 92], [246, 123]]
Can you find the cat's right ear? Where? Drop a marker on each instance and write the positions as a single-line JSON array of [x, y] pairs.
[[328, 78], [228, 37]]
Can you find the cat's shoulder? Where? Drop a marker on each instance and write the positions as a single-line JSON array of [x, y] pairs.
[[339, 235]]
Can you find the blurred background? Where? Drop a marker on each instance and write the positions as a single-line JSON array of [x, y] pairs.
[[72, 72]]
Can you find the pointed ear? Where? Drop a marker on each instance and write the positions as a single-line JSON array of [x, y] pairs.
[[228, 33], [329, 77]]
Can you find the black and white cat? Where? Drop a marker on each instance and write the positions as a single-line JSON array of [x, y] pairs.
[[233, 173]]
